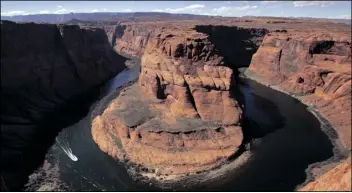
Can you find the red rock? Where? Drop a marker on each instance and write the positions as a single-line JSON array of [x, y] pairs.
[[337, 179], [179, 119]]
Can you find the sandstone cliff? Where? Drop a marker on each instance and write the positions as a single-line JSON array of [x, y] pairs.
[[314, 66], [132, 39], [47, 71]]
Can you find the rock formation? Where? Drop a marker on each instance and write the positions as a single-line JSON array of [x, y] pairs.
[[185, 78], [180, 119], [46, 72], [314, 66]]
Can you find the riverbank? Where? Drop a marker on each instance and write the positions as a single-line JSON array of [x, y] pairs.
[[340, 151]]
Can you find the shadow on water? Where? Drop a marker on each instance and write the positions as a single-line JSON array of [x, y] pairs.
[[94, 170], [44, 133], [33, 113]]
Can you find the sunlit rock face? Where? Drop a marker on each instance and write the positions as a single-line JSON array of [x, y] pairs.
[[313, 65], [179, 119]]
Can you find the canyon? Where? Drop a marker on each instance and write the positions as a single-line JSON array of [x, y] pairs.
[[312, 64], [182, 119]]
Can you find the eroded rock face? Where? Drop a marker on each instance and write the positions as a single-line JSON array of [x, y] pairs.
[[47, 73], [132, 39], [314, 66], [191, 76], [180, 118]]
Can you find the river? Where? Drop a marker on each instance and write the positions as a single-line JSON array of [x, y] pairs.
[[285, 137]]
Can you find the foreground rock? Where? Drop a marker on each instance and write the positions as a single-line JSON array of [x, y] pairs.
[[180, 119], [48, 73], [337, 179]]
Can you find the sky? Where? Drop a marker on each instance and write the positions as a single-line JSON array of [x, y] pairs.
[[319, 9]]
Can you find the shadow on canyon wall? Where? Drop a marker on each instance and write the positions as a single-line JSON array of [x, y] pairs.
[[48, 82], [236, 45]]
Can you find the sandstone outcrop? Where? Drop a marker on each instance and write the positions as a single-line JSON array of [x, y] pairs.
[[46, 71], [180, 119], [337, 179]]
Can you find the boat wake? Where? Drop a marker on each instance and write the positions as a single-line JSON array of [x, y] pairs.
[[67, 150]]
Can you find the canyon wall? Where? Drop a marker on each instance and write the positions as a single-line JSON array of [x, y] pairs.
[[316, 67], [236, 44], [47, 74], [132, 39]]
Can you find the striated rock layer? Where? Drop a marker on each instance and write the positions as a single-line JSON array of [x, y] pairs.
[[180, 118], [316, 67]]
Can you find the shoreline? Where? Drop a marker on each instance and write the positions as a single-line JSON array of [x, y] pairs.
[[339, 149]]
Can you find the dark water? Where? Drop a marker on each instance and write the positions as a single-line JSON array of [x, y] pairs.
[[287, 139]]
